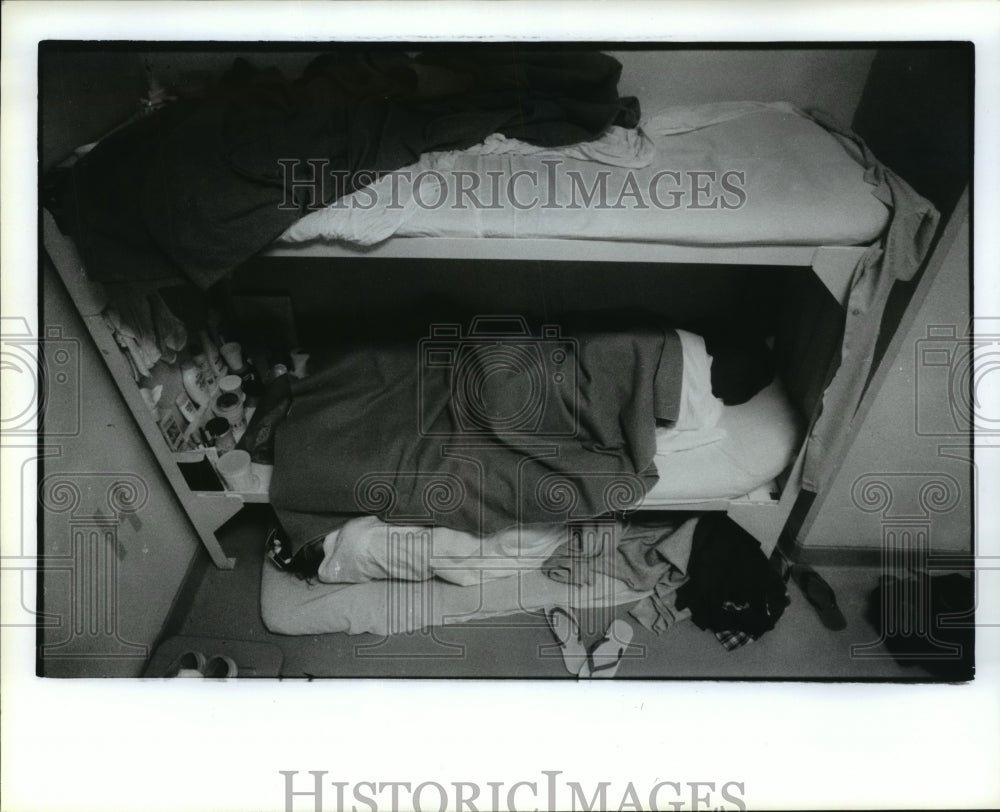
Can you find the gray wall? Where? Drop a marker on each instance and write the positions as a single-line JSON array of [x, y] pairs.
[[908, 439], [110, 576], [825, 78], [103, 620]]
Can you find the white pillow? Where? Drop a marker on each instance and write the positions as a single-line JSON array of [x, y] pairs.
[[700, 410]]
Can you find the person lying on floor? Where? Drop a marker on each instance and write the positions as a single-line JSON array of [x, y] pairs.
[[368, 549]]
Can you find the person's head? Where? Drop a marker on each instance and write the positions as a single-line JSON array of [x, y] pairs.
[[741, 366]]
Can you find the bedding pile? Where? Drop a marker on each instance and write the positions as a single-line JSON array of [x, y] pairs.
[[198, 187]]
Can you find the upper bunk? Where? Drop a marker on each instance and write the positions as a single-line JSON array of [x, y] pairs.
[[733, 183], [198, 188]]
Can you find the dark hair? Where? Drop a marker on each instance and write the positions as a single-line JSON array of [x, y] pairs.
[[741, 366], [305, 563]]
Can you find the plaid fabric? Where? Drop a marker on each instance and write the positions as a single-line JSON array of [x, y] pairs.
[[733, 640]]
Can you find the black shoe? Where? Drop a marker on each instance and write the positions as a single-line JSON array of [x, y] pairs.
[[278, 550]]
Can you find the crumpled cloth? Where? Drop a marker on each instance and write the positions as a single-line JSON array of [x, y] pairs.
[[639, 555], [898, 255]]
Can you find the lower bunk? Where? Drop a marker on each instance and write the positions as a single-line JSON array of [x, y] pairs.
[[721, 480]]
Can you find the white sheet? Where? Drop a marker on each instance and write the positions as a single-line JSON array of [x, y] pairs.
[[291, 606], [801, 188]]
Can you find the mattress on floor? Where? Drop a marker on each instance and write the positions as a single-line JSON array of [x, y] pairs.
[[761, 439], [765, 176]]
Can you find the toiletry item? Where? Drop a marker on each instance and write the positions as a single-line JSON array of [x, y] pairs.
[[232, 353], [236, 472], [171, 431], [277, 371], [207, 377], [220, 434], [187, 407], [194, 379], [253, 387], [232, 383], [300, 358], [151, 397], [215, 362], [230, 406]]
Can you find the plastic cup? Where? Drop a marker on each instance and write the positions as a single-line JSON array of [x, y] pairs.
[[236, 471]]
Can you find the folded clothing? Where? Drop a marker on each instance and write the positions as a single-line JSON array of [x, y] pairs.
[[640, 555]]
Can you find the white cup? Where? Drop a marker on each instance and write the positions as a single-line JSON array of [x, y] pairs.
[[232, 352], [300, 359], [232, 383], [236, 471]]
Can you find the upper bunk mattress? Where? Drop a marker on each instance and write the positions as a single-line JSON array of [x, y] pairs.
[[725, 174]]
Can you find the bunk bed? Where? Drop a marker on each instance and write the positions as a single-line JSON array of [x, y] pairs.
[[760, 186]]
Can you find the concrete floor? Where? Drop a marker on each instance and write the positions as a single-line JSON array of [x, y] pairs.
[[226, 606]]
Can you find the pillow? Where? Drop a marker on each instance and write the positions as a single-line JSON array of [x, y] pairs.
[[699, 409]]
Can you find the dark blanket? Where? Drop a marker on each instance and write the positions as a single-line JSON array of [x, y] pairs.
[[477, 432], [197, 188]]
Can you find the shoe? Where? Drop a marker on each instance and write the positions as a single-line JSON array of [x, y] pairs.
[[567, 632], [820, 594], [277, 549], [607, 655]]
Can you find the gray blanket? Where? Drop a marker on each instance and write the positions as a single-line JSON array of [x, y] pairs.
[[477, 431]]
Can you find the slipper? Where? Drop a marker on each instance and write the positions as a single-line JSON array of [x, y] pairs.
[[567, 632], [189, 664], [820, 594], [607, 655]]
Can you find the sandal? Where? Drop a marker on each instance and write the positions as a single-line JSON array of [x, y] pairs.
[[820, 594], [220, 667], [189, 664], [567, 631], [607, 655]]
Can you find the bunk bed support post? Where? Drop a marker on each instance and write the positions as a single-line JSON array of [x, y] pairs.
[[765, 520]]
